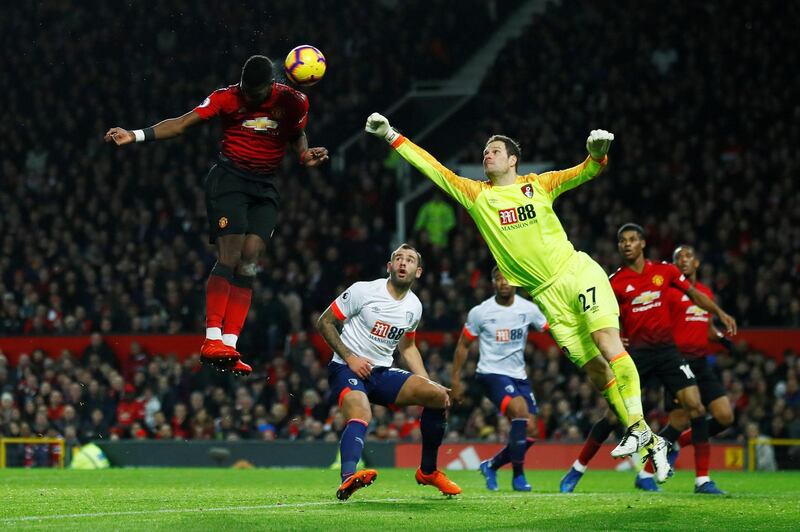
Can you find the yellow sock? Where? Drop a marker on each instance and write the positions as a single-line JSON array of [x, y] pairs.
[[614, 400], [630, 389]]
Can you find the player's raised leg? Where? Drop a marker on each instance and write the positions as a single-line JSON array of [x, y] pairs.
[[218, 290], [241, 295], [433, 397]]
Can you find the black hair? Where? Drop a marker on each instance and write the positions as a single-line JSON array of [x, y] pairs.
[[512, 146], [257, 71], [630, 227]]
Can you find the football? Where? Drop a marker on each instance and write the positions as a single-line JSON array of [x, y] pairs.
[[305, 65]]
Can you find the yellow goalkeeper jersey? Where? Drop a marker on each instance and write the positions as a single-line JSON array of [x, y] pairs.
[[517, 221]]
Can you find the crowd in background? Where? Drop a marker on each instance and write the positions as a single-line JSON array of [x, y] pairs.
[[105, 240]]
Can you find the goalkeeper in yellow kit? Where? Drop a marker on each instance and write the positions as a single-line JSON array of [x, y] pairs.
[[515, 216]]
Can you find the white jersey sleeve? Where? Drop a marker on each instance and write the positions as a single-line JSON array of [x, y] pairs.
[[472, 329], [349, 302]]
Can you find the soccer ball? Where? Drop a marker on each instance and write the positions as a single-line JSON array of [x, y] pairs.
[[305, 65]]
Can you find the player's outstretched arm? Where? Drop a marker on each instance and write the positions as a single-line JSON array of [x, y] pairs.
[[597, 144], [706, 303], [326, 325], [461, 355], [166, 129], [412, 357], [461, 189]]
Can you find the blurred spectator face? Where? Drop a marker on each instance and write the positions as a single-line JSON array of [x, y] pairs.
[[6, 401]]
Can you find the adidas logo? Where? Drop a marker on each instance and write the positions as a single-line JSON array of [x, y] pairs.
[[630, 288], [467, 459]]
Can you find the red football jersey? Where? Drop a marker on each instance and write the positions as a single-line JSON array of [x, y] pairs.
[[643, 306], [690, 322], [255, 138]]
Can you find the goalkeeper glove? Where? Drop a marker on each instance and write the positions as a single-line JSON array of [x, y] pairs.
[[598, 143], [378, 125]]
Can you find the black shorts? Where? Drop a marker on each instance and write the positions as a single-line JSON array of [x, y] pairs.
[[236, 205], [710, 386], [663, 366]]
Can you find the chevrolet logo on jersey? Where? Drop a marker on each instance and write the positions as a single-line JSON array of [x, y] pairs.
[[694, 310], [646, 297], [262, 123]]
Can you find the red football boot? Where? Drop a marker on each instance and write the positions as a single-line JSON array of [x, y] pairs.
[[241, 369], [218, 354]]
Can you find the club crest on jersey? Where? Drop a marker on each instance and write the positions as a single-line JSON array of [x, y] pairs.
[[522, 318], [658, 280], [261, 123], [510, 388], [352, 382], [222, 223], [410, 317], [527, 189]]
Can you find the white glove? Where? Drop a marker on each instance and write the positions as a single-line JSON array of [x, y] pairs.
[[378, 125], [598, 143]]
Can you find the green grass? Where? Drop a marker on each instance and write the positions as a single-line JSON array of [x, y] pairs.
[[303, 499]]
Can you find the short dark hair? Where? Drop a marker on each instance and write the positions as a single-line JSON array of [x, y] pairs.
[[630, 226], [410, 247], [512, 146], [257, 71]]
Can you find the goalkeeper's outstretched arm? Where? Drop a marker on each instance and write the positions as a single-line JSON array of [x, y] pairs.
[[559, 181], [461, 189]]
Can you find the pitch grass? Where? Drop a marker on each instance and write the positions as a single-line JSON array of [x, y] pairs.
[[303, 499]]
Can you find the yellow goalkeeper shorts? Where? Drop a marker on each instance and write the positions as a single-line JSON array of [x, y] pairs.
[[579, 302]]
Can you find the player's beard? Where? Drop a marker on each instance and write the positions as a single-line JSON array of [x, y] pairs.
[[402, 284]]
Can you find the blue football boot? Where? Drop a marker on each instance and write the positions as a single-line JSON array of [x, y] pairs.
[[709, 488], [570, 480], [646, 484], [490, 475], [519, 483]]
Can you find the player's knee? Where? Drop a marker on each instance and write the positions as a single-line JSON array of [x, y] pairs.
[[230, 257], [440, 398], [724, 417], [696, 409]]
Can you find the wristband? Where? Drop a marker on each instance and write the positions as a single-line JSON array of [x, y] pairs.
[[727, 343], [391, 135], [144, 135]]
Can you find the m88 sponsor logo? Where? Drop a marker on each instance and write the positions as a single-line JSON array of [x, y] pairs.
[[381, 329]]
